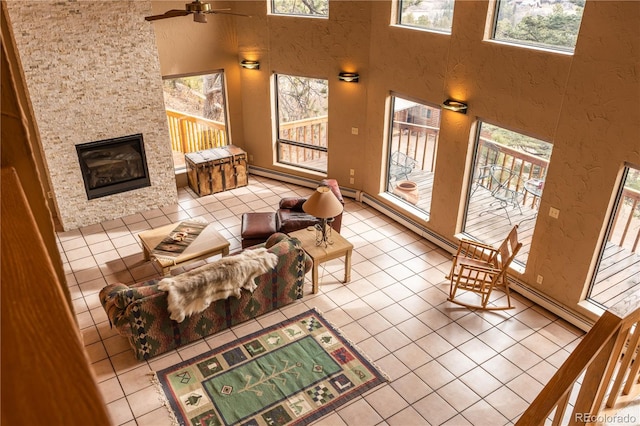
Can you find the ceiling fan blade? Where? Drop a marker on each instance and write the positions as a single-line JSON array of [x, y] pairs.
[[224, 12], [168, 14]]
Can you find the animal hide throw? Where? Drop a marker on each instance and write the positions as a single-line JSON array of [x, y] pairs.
[[193, 291]]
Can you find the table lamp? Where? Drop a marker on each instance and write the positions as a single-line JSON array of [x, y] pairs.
[[324, 205]]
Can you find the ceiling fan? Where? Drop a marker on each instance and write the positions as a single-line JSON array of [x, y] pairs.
[[197, 8]]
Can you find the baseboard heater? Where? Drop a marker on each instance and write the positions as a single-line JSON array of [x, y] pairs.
[[551, 305], [540, 299], [408, 222]]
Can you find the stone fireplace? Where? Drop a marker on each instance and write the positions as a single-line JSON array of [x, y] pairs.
[[92, 74]]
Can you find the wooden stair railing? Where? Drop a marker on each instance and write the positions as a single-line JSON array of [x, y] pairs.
[[606, 355]]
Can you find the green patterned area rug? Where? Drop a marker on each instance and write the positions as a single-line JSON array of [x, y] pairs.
[[288, 374]]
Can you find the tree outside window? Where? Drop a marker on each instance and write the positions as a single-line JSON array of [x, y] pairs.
[[435, 15], [548, 24], [198, 95], [319, 8]]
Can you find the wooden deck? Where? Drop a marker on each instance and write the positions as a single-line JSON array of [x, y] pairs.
[[618, 276], [485, 222]]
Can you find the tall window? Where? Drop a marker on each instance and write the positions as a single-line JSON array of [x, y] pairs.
[[546, 24], [302, 105], [196, 111], [618, 272], [509, 171], [317, 8], [413, 140], [435, 15]]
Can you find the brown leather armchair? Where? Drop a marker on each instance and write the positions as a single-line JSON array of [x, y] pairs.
[[291, 217], [258, 226]]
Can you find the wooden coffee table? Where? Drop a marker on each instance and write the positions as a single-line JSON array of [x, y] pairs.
[[319, 254], [207, 244]]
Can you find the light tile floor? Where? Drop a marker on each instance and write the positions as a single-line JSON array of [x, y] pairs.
[[448, 365]]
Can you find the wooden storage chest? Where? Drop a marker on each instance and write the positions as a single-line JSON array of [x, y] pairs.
[[215, 170]]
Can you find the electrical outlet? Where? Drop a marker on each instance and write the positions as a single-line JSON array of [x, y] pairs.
[[354, 130], [539, 279], [50, 194], [251, 157], [553, 212], [352, 172], [351, 180]]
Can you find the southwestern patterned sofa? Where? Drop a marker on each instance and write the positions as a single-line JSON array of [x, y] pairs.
[[139, 311]]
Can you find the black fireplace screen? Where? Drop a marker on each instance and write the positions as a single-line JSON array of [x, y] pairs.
[[114, 165]]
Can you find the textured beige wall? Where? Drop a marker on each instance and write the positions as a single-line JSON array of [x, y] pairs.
[[92, 73], [597, 131], [586, 104], [189, 47], [315, 47]]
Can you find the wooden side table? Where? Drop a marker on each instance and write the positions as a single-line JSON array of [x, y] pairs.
[[210, 242], [319, 254]]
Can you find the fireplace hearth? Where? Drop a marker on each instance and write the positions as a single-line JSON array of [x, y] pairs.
[[113, 166]]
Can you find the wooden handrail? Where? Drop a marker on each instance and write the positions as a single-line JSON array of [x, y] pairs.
[[525, 166], [417, 141], [321, 119], [311, 132], [190, 133], [605, 356]]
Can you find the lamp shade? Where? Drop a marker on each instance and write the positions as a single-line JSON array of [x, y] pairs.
[[323, 204]]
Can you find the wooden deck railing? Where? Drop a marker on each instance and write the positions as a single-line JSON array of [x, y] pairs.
[[311, 131], [607, 357], [626, 227], [190, 134], [525, 166], [416, 141]]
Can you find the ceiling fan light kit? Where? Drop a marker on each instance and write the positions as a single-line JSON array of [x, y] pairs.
[[200, 17]]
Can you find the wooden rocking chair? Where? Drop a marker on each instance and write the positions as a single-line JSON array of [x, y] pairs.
[[480, 268]]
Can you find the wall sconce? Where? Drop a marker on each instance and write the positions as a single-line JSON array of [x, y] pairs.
[[350, 77], [250, 65], [455, 106]]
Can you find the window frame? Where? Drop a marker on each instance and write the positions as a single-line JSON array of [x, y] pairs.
[[279, 141], [227, 126], [399, 23], [609, 227], [418, 207], [518, 263], [524, 43]]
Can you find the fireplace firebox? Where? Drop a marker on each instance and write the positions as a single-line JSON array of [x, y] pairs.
[[112, 166]]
